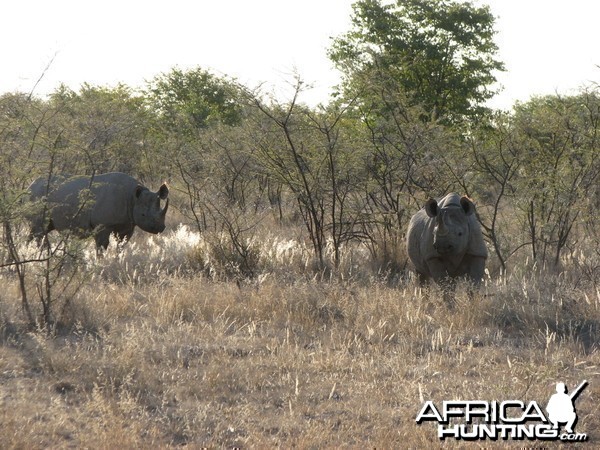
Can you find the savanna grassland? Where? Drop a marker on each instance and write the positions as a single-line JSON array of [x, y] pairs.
[[151, 354]]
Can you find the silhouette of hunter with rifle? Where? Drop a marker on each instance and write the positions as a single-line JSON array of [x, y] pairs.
[[561, 406]]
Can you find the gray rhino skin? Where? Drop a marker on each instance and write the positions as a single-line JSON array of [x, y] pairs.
[[40, 187], [110, 203], [444, 240]]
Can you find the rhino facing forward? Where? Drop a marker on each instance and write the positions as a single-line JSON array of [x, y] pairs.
[[110, 203], [444, 240]]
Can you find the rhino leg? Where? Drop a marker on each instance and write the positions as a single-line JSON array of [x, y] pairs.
[[440, 274], [423, 278], [474, 268], [123, 236], [438, 270], [102, 238], [39, 231]]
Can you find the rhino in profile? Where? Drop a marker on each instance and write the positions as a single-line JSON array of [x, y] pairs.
[[444, 240], [99, 205]]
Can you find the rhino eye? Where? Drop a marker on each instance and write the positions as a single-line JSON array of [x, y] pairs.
[[460, 233]]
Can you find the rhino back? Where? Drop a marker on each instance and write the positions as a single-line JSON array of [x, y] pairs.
[[114, 194], [39, 188], [83, 203]]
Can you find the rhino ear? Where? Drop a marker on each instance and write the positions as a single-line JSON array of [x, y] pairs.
[[138, 190], [467, 205], [163, 192], [431, 207]]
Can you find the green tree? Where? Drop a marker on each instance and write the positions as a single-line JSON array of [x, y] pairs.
[[559, 177], [31, 137], [192, 100], [311, 154], [497, 159], [440, 53], [100, 129]]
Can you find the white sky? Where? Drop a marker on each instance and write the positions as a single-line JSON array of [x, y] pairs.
[[547, 45]]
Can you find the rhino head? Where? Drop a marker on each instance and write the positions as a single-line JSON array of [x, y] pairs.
[[451, 230], [147, 213]]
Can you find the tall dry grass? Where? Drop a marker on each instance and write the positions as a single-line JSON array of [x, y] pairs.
[[167, 344]]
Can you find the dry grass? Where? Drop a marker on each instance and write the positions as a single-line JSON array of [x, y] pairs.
[[152, 354]]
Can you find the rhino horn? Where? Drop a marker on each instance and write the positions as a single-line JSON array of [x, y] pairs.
[[163, 212], [442, 228], [163, 192]]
